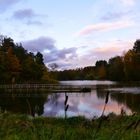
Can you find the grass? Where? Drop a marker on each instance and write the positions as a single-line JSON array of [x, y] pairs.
[[23, 127]]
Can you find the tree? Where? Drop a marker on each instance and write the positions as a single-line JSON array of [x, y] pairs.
[[101, 69], [7, 43], [39, 58], [13, 64], [53, 66], [136, 46], [45, 76], [20, 52], [1, 40], [16, 63], [3, 70], [116, 68], [102, 72], [101, 63], [28, 69], [132, 65]]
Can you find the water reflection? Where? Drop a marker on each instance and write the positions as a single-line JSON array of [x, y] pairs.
[[86, 104], [87, 82], [131, 101], [24, 103]]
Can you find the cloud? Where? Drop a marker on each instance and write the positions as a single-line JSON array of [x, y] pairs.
[[29, 22], [69, 58], [51, 53], [64, 65], [27, 15], [111, 49], [103, 51], [40, 44], [5, 4], [67, 53], [118, 9], [115, 15], [24, 14], [60, 56], [100, 27]]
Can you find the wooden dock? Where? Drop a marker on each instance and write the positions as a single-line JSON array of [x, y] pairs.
[[47, 87]]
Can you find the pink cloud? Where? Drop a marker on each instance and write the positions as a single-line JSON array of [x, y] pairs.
[[100, 27], [103, 52], [88, 56], [113, 48]]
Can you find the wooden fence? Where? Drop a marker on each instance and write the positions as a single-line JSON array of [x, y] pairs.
[[48, 87]]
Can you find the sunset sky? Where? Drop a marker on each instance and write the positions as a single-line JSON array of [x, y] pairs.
[[72, 33]]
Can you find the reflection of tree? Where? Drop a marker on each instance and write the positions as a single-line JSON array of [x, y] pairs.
[[27, 103], [129, 100], [101, 93], [132, 101]]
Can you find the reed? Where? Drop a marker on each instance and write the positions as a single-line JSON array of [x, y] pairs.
[[66, 106], [102, 117], [106, 101]]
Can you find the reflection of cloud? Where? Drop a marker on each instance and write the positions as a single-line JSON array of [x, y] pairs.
[[53, 109], [114, 107], [105, 27], [88, 105], [110, 108]]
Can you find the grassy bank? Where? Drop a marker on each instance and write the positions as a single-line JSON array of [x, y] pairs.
[[23, 127]]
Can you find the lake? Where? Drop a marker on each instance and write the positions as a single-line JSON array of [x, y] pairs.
[[122, 97]]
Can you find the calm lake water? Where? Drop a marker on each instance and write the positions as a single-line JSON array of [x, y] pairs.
[[89, 104]]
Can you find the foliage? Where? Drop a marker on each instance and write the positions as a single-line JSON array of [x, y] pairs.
[[132, 65], [19, 65], [22, 127], [116, 68]]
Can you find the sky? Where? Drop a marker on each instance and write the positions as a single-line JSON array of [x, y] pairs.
[[72, 33]]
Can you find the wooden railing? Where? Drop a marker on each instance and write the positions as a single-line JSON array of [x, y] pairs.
[[49, 87]]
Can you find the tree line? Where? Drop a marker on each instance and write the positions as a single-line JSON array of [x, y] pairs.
[[17, 65], [118, 68]]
